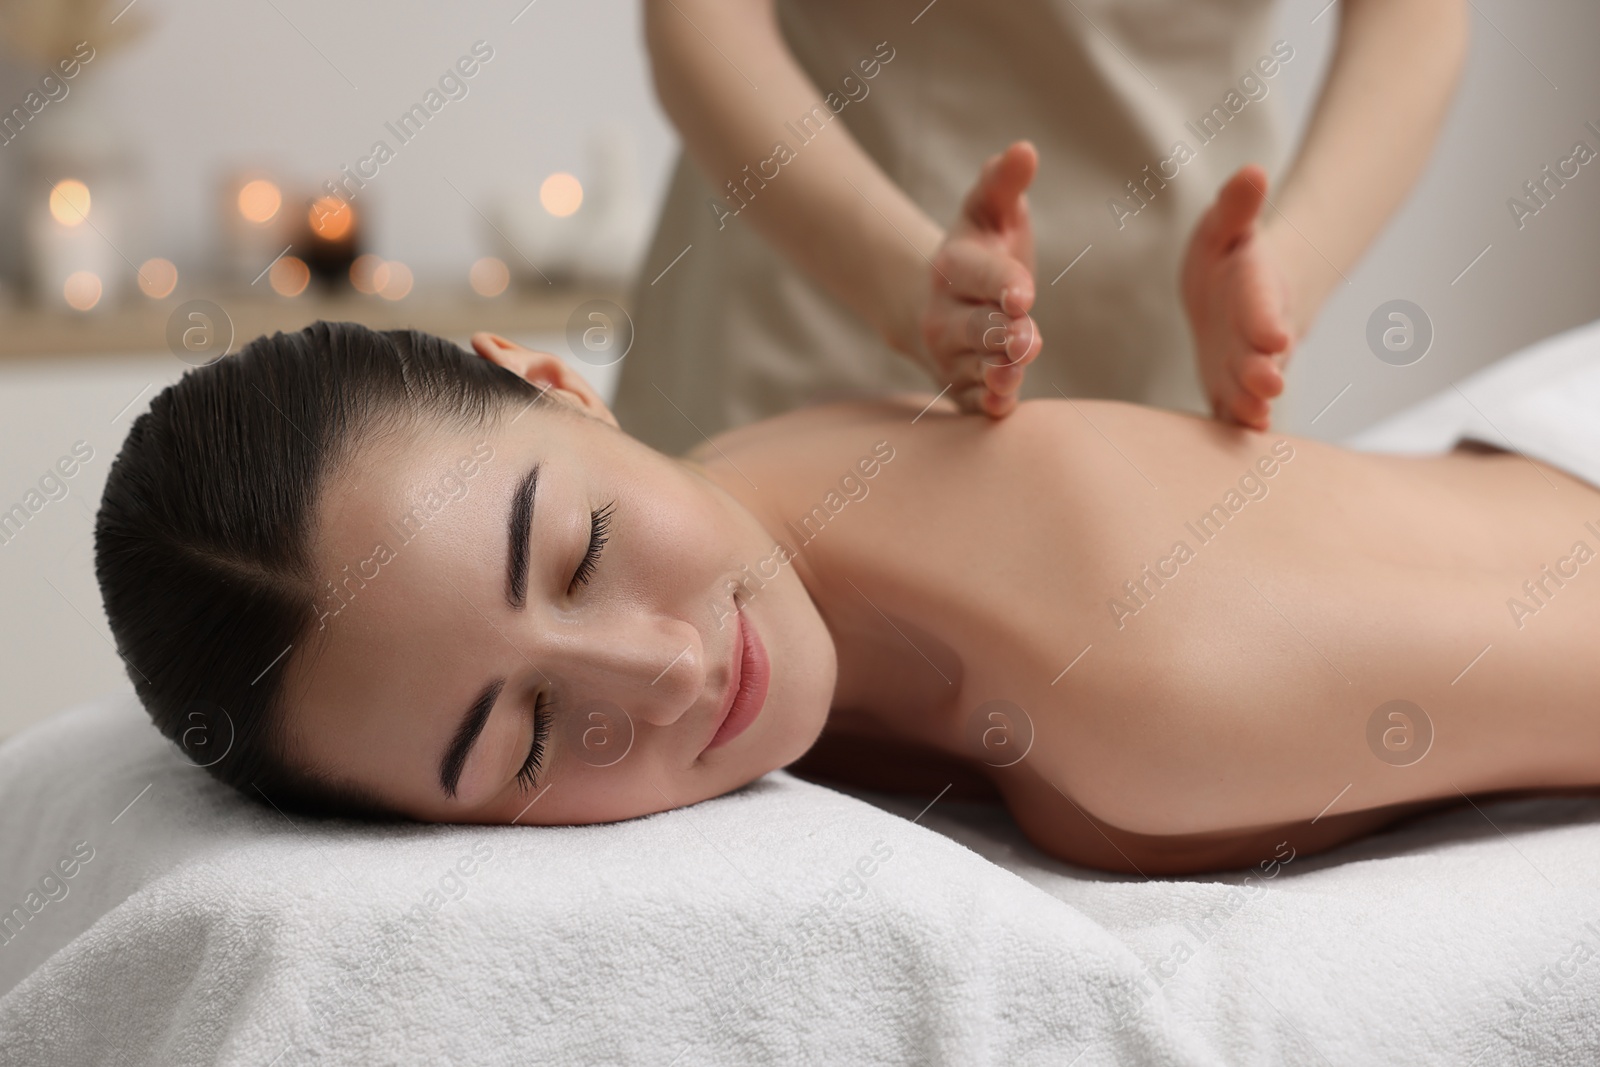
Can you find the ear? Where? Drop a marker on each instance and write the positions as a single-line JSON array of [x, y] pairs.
[[545, 370]]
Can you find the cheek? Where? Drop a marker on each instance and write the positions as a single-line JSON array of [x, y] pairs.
[[683, 536], [642, 783], [804, 668], [689, 548]]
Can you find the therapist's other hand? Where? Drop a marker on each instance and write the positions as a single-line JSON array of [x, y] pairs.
[[1237, 296], [976, 334]]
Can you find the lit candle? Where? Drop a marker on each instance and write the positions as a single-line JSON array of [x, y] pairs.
[[392, 280], [157, 278], [489, 276], [363, 273], [75, 265], [255, 226], [549, 229], [330, 238], [289, 276]]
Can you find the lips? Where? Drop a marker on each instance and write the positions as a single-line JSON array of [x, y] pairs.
[[747, 685]]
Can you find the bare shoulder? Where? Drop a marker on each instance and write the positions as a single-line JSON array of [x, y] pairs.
[[822, 437], [815, 422], [818, 425]]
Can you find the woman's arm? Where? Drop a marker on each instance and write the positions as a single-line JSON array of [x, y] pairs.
[[1394, 71], [1253, 289], [730, 85]]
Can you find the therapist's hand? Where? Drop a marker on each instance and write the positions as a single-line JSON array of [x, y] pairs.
[[1238, 299], [975, 332]]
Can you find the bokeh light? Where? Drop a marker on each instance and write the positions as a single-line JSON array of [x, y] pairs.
[[363, 271], [82, 289], [489, 276], [392, 279], [561, 194], [289, 276], [259, 200], [157, 278], [330, 218], [69, 203]]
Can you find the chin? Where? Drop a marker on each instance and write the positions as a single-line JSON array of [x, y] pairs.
[[805, 713], [805, 729]]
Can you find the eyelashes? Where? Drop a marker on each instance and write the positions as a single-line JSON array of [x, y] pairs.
[[527, 777], [599, 523]]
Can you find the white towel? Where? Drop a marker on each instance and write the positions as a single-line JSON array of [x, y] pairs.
[[1543, 401], [1468, 937], [782, 923]]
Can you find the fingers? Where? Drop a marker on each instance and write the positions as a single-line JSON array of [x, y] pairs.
[[976, 331], [1235, 405], [1003, 381], [969, 397], [1018, 347], [956, 329], [998, 407], [484, 343], [1252, 412], [1245, 395], [997, 194], [1260, 376], [1259, 314], [976, 400], [977, 273], [989, 381]]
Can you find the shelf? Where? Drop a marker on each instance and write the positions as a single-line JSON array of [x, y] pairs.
[[141, 326]]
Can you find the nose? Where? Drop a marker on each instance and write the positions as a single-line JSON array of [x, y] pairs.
[[653, 667]]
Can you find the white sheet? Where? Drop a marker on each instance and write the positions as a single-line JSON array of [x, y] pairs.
[[785, 922], [1542, 401]]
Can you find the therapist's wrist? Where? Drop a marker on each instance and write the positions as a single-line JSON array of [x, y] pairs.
[[908, 291]]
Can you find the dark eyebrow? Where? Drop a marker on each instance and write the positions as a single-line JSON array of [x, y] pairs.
[[517, 527], [455, 757]]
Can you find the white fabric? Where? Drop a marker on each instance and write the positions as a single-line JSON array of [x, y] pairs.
[[785, 922], [1542, 401], [205, 930]]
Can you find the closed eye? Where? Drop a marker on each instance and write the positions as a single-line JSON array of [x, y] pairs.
[[599, 523], [527, 775]]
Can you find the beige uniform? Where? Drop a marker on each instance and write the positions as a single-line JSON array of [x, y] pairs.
[[1140, 110]]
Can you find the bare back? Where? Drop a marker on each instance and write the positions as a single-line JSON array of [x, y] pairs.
[[1190, 627]]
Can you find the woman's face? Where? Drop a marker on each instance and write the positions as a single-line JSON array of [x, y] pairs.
[[621, 623]]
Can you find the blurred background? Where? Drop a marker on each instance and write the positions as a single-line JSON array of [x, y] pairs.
[[177, 177]]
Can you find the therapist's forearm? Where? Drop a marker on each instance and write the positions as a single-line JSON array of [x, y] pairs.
[[1393, 73], [829, 209]]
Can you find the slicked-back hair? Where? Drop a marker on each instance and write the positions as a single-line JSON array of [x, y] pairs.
[[204, 533]]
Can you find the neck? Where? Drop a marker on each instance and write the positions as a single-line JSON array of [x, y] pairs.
[[893, 676]]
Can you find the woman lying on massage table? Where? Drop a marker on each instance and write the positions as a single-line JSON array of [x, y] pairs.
[[371, 573]]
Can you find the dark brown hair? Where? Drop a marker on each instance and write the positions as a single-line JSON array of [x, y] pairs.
[[203, 538]]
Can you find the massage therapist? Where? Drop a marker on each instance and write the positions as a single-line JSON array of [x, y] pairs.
[[849, 213]]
